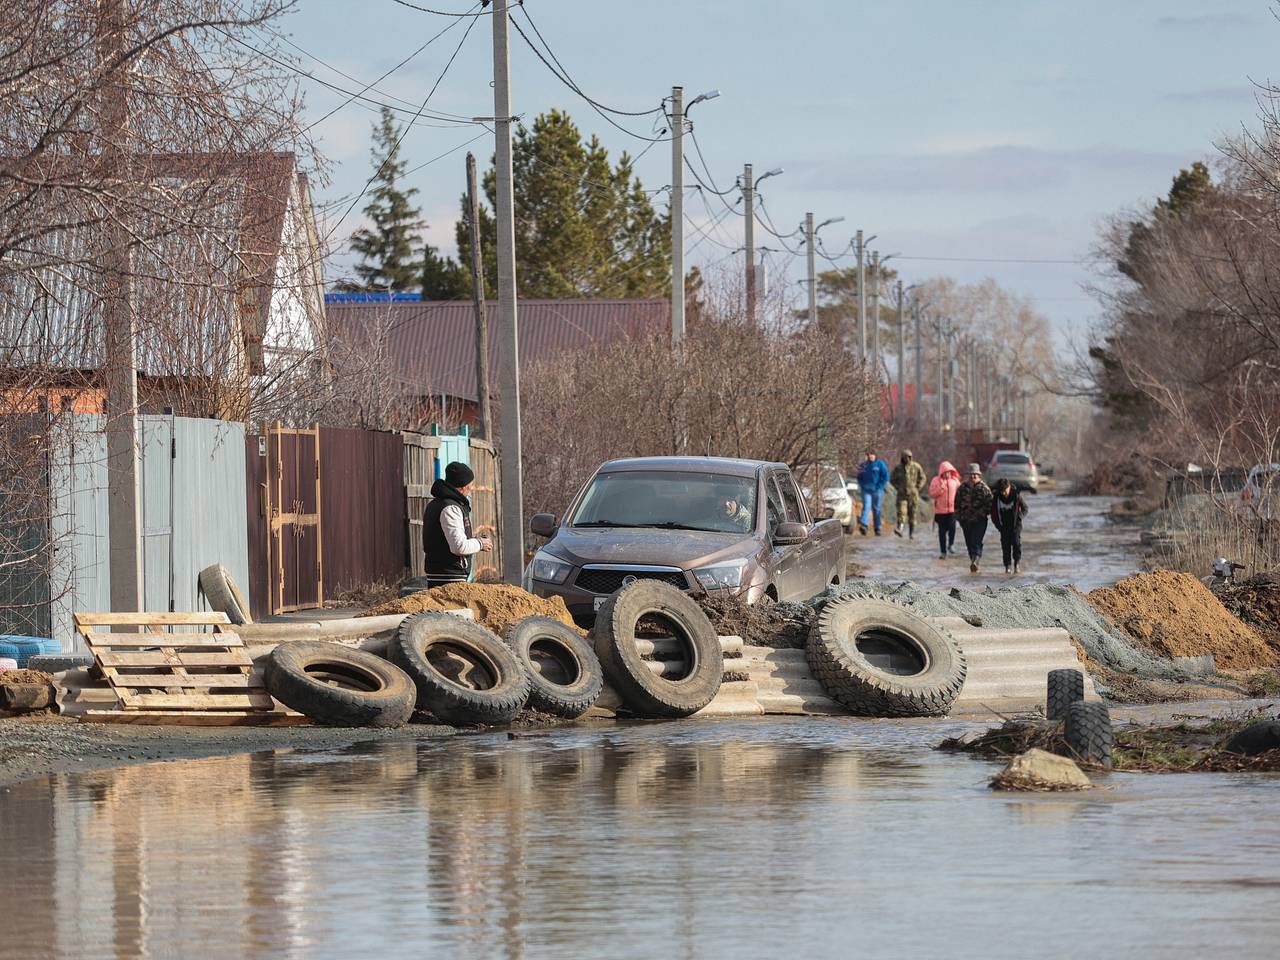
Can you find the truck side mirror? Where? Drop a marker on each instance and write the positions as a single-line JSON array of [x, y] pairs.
[[543, 525], [789, 534]]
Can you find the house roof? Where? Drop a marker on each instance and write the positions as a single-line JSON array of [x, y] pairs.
[[433, 343]]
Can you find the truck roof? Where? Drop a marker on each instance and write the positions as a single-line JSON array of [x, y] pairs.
[[725, 465]]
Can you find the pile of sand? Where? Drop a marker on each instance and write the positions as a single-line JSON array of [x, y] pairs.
[[495, 605], [25, 675], [1175, 615]]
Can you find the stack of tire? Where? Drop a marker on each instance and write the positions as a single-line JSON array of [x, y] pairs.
[[1086, 725], [457, 671], [877, 658]]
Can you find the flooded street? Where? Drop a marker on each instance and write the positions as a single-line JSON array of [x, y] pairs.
[[698, 839], [1065, 539]]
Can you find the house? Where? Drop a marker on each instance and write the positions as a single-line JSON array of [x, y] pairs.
[[429, 346], [226, 287]]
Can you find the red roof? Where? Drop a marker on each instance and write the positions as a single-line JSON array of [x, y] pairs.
[[434, 342]]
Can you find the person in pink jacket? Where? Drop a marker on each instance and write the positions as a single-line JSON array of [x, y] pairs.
[[942, 491]]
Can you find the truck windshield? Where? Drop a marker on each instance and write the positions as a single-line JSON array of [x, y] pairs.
[[718, 503]]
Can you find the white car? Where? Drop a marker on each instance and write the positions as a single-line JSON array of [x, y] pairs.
[[834, 493], [1261, 489]]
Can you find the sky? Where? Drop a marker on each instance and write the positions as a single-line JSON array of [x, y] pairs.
[[963, 135]]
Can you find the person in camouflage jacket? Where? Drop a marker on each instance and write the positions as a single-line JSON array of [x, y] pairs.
[[908, 479], [973, 509]]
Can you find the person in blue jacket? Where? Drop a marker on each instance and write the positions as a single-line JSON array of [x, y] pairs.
[[873, 477]]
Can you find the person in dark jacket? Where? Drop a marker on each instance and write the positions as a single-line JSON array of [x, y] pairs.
[[446, 528], [1007, 510], [973, 507], [873, 477]]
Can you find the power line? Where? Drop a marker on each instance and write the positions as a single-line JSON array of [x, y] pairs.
[[1002, 259], [446, 13], [403, 133], [705, 166]]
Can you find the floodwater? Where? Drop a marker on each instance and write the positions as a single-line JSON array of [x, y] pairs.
[[1065, 539], [805, 837]]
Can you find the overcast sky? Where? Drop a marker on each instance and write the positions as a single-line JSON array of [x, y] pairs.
[[990, 129]]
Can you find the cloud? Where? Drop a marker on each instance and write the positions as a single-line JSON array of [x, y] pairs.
[[1231, 94], [993, 169], [1211, 21]]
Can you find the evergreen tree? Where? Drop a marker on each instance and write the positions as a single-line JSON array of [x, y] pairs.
[[442, 277], [387, 249], [584, 227]]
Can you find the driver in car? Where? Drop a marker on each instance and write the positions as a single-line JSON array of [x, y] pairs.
[[737, 513]]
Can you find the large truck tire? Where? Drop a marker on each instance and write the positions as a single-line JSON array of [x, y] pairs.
[[876, 658], [645, 693], [1088, 732], [339, 686], [223, 594], [464, 674], [1064, 687], [565, 677]]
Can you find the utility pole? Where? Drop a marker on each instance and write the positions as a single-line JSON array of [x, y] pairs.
[[508, 329], [875, 313], [915, 310], [942, 414], [477, 296], [862, 299], [951, 377], [749, 228], [120, 330], [902, 353], [677, 215], [813, 278]]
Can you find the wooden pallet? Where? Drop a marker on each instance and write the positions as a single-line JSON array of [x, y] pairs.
[[198, 678]]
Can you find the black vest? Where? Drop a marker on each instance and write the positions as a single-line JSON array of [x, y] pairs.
[[439, 558]]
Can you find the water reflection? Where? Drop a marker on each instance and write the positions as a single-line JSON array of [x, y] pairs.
[[697, 840]]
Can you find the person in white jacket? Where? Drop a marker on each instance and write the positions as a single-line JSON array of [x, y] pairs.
[[447, 539]]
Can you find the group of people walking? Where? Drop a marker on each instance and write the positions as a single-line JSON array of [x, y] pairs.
[[967, 503]]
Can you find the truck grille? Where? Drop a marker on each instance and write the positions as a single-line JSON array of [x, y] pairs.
[[608, 581]]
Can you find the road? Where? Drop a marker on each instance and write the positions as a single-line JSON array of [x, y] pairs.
[[1065, 539]]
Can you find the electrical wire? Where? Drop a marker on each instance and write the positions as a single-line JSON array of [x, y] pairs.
[[698, 149], [445, 13], [403, 133], [479, 136], [1081, 261]]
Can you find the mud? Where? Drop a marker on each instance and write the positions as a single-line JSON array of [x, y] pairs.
[[1256, 601], [1175, 615], [24, 675], [777, 625], [495, 605]]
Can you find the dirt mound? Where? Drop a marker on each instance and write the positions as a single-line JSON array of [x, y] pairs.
[[778, 625], [1256, 601], [496, 605], [25, 676], [1175, 615]]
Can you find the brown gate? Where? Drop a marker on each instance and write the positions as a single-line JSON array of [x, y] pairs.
[[295, 551], [484, 509]]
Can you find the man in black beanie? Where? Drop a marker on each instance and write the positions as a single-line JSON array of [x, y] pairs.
[[446, 528]]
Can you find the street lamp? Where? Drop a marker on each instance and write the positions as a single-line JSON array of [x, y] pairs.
[[749, 183], [709, 95]]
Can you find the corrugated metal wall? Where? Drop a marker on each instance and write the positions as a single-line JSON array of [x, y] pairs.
[[362, 507]]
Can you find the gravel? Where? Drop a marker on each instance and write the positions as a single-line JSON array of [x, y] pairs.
[[1036, 605]]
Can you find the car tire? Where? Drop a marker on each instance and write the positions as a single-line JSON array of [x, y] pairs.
[[876, 658], [447, 657], [339, 686], [643, 692], [1063, 688], [1088, 732], [565, 677], [223, 594]]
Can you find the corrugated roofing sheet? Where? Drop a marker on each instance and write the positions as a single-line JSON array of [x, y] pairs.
[[434, 342]]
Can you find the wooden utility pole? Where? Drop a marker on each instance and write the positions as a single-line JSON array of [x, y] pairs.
[[120, 332], [477, 296]]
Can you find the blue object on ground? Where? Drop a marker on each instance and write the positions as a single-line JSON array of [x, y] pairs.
[[23, 649]]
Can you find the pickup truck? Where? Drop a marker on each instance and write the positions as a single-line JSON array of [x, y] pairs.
[[699, 523]]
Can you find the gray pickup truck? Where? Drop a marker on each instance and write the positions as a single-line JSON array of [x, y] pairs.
[[699, 523]]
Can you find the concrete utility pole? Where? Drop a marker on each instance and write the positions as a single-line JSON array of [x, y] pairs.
[[902, 353], [875, 313], [477, 296], [862, 298], [749, 239], [677, 215], [120, 331], [508, 328], [942, 414], [915, 310], [813, 277], [951, 376]]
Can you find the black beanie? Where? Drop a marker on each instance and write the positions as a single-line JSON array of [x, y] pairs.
[[458, 475]]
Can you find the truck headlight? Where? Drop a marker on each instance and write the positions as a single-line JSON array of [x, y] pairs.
[[549, 569], [721, 576]]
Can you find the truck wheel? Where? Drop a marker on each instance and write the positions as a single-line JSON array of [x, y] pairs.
[[464, 674], [223, 594], [644, 692], [878, 659], [1088, 732], [339, 686], [1065, 687], [565, 678]]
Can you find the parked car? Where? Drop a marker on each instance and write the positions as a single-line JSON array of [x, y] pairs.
[[829, 497], [699, 523], [1015, 465]]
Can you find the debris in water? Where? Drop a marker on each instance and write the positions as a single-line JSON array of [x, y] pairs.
[[1039, 770], [763, 624]]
